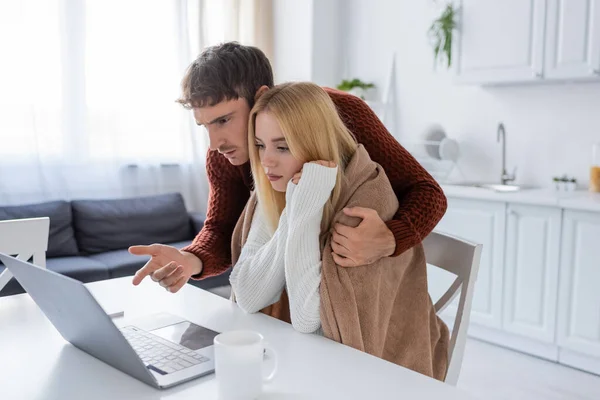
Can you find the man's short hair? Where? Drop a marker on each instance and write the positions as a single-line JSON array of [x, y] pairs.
[[228, 71]]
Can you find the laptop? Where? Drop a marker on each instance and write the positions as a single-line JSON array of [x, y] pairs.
[[161, 350]]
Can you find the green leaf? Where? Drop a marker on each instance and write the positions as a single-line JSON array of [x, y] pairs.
[[440, 33], [347, 85]]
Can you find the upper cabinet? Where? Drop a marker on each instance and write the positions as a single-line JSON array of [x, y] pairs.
[[500, 41], [572, 39], [519, 41]]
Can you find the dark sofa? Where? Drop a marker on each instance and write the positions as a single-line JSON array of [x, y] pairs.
[[88, 239]]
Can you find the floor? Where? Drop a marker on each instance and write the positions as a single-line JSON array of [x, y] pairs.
[[494, 373]]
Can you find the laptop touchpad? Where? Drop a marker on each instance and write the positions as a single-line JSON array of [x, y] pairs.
[[187, 334]]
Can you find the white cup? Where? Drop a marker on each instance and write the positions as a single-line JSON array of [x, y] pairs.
[[239, 364]]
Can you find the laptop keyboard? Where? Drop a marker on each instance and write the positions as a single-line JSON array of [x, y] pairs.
[[159, 354]]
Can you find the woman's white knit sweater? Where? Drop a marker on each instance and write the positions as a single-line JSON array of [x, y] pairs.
[[291, 257]]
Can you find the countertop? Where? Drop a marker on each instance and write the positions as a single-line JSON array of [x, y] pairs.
[[575, 200]]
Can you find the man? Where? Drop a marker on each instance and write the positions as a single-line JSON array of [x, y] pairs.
[[220, 87]]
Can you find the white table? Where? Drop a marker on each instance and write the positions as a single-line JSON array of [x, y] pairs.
[[37, 363]]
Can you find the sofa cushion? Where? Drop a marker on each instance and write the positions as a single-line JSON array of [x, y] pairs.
[[62, 239], [106, 265], [84, 269], [121, 263], [105, 225], [212, 282], [197, 222]]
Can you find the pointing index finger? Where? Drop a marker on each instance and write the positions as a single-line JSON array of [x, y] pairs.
[[144, 250]]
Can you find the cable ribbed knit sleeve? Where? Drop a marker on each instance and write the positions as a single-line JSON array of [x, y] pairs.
[[303, 251], [226, 200], [422, 201], [258, 277]]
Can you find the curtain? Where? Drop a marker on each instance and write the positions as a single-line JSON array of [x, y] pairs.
[[249, 22], [87, 105]]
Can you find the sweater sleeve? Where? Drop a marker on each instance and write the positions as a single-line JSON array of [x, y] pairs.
[[227, 197], [422, 201], [303, 252], [258, 277]]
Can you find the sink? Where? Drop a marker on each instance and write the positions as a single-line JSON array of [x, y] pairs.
[[497, 187], [501, 188]]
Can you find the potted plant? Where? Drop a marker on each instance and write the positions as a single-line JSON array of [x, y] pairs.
[[355, 87], [440, 34]]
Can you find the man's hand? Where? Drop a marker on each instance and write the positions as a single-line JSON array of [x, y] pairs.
[[168, 266], [370, 241]]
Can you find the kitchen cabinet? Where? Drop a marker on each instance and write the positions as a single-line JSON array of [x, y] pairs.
[[538, 288], [531, 271], [579, 293], [520, 41], [500, 41], [481, 222], [572, 39]]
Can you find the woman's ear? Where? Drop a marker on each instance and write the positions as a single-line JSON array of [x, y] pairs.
[[261, 90]]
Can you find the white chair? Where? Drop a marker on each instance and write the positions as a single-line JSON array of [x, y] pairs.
[[461, 258], [24, 238]]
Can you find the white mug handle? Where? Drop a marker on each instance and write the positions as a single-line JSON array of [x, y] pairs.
[[273, 354]]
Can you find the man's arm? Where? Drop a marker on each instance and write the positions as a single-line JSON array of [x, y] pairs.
[[422, 201], [227, 197]]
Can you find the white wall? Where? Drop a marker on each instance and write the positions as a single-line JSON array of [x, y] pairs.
[[307, 41], [550, 128], [327, 41], [293, 40]]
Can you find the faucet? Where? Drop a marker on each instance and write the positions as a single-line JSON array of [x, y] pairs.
[[505, 177]]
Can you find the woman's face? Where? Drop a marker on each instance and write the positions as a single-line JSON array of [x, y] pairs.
[[275, 156]]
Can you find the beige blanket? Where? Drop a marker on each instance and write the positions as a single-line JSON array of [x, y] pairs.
[[383, 308]]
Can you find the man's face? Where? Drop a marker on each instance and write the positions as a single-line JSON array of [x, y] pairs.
[[227, 126]]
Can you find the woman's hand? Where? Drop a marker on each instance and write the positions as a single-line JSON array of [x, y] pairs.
[[297, 175]]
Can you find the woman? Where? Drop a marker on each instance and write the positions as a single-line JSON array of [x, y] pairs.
[[307, 167]]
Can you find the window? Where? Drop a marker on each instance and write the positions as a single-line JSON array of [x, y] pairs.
[[132, 80], [30, 78], [88, 80]]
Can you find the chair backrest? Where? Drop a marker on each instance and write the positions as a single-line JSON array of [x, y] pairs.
[[461, 258], [24, 238]]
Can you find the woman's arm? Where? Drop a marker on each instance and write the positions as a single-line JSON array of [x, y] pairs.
[[258, 278], [303, 252]]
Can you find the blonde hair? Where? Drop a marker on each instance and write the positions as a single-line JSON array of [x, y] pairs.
[[313, 131]]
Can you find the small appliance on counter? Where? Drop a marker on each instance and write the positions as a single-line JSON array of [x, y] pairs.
[[436, 152], [595, 169]]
